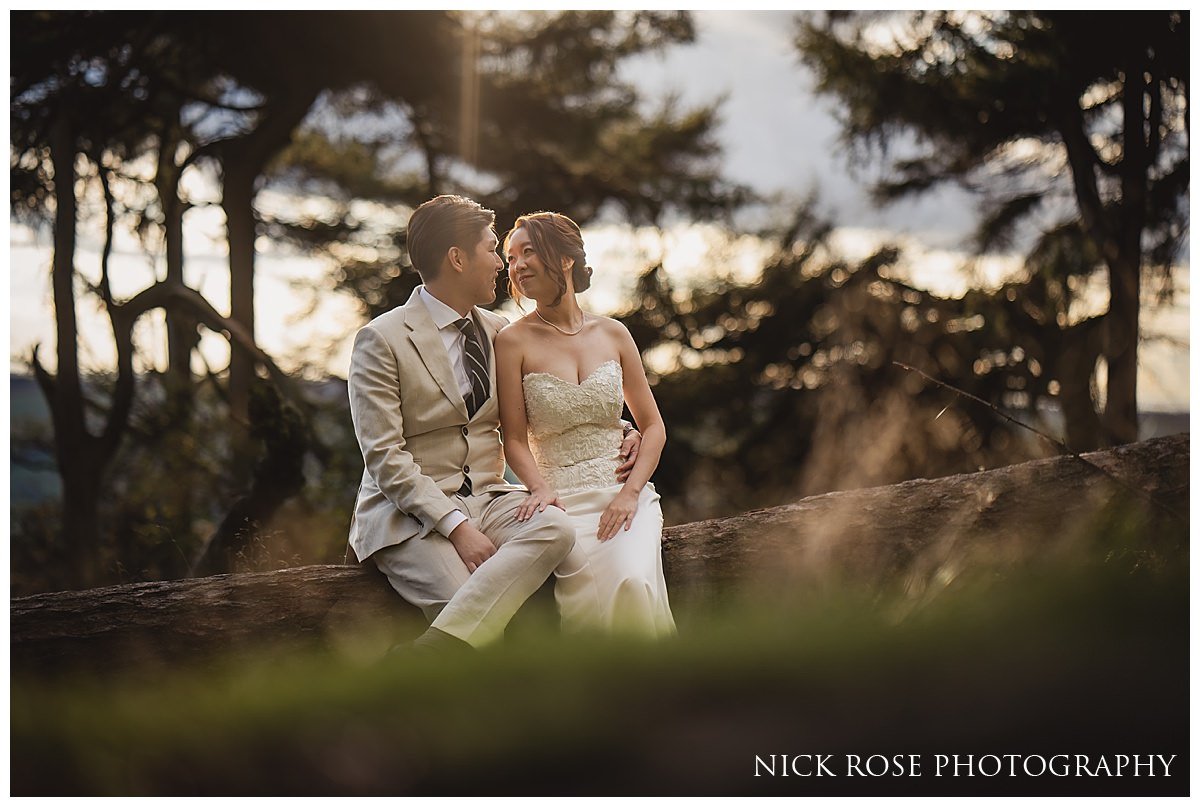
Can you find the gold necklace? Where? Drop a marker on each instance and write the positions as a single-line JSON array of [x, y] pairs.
[[560, 330]]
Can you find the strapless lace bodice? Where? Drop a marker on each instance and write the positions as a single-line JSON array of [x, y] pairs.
[[575, 429]]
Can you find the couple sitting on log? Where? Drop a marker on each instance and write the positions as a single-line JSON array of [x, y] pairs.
[[432, 382]]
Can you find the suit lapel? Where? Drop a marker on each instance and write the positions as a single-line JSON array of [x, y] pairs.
[[425, 338]]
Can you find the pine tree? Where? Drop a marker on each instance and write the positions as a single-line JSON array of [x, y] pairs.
[[1074, 124]]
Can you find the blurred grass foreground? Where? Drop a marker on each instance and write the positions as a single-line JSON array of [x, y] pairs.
[[1085, 653]]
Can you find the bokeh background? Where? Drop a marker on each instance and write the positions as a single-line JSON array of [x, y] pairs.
[[778, 205], [788, 211]]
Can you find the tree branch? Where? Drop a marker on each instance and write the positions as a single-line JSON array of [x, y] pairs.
[[45, 381], [173, 296], [421, 129], [177, 296], [109, 208], [208, 149], [124, 387], [1083, 160], [1155, 120], [1135, 161], [191, 94]]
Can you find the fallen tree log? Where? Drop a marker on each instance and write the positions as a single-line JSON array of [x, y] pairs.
[[918, 532], [923, 530]]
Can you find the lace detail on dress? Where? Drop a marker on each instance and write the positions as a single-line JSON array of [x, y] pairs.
[[575, 429]]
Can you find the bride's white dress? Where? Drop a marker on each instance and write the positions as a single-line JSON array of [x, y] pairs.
[[575, 434]]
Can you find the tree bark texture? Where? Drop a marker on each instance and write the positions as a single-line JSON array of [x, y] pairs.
[[919, 534]]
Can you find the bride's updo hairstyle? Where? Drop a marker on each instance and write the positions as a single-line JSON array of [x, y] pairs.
[[555, 238]]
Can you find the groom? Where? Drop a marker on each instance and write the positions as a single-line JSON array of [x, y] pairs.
[[434, 511]]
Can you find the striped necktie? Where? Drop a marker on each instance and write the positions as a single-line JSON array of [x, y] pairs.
[[476, 364]]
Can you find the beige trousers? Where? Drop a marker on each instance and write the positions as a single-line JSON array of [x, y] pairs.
[[475, 608]]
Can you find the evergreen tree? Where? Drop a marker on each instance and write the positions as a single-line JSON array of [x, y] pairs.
[[290, 97], [543, 120], [1074, 123], [788, 386]]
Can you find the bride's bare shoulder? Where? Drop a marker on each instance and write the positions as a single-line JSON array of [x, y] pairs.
[[608, 324], [613, 328], [513, 335]]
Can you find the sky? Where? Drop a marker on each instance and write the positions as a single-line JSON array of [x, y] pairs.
[[777, 137]]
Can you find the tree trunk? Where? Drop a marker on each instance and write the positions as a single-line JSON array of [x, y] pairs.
[[1121, 351], [182, 336], [68, 425], [919, 535], [80, 514], [243, 162], [80, 477], [1075, 367], [237, 200], [1118, 241]]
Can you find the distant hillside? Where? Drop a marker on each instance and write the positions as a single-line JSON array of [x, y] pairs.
[[26, 401], [34, 478]]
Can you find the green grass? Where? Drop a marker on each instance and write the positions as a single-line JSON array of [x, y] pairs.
[[1058, 660]]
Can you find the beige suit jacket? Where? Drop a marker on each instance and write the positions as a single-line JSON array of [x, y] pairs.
[[417, 442]]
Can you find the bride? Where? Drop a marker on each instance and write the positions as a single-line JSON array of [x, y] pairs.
[[562, 377]]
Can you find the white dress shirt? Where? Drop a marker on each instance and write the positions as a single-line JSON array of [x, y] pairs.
[[444, 318]]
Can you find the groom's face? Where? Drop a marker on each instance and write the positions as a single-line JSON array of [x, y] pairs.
[[481, 265]]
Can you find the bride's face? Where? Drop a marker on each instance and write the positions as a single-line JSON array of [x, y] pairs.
[[527, 270]]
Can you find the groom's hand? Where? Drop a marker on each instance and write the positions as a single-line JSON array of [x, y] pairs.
[[471, 545], [628, 454]]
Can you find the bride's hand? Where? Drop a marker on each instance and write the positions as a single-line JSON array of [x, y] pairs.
[[538, 501], [620, 512]]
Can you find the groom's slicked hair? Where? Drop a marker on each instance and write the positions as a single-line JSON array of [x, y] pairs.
[[443, 222]]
